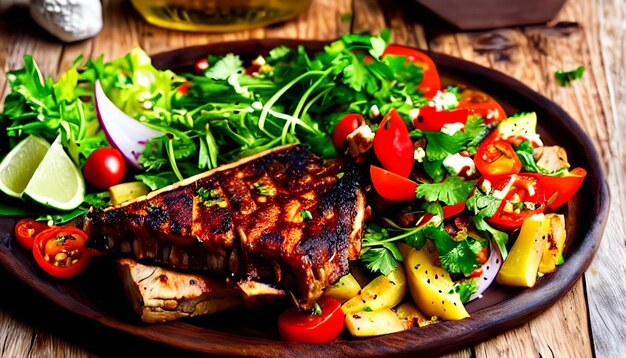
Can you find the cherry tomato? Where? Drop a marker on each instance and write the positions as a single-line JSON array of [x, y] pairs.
[[560, 189], [431, 120], [201, 65], [392, 186], [393, 145], [523, 197], [25, 231], [431, 83], [348, 124], [60, 251], [302, 327], [481, 103], [495, 157], [104, 168]]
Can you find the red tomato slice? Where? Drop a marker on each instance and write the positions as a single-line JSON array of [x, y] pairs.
[[348, 124], [297, 326], [60, 251], [393, 145], [481, 103], [25, 231], [560, 189], [496, 157], [524, 197], [392, 186], [431, 120], [431, 83]]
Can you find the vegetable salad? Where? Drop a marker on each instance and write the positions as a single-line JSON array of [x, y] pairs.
[[457, 187]]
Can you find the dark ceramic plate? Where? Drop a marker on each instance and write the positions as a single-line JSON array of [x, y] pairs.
[[98, 295]]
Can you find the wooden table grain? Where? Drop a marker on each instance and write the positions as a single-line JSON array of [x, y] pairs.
[[590, 320]]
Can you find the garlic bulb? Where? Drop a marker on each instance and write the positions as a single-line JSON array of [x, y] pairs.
[[69, 20]]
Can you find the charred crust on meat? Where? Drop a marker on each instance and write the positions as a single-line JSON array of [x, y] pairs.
[[247, 239]]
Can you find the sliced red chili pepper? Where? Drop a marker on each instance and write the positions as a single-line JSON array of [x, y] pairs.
[[431, 120], [523, 197], [560, 189], [393, 145], [496, 157], [392, 186], [26, 229], [60, 251], [297, 326]]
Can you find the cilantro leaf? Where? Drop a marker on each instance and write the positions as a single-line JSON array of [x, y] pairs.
[[379, 259], [451, 191], [455, 256], [439, 145], [466, 288], [225, 67], [434, 169], [564, 78], [484, 206]]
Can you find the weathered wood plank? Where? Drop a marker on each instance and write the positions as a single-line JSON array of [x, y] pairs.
[[606, 277]]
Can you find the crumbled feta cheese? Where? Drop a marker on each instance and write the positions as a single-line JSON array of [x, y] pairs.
[[414, 113], [374, 111], [455, 163], [419, 154], [444, 101], [451, 128], [485, 186]]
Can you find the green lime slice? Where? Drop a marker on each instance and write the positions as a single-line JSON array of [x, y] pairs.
[[19, 165], [57, 182]]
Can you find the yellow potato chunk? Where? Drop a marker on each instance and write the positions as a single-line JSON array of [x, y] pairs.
[[346, 288], [382, 292], [520, 267], [431, 287]]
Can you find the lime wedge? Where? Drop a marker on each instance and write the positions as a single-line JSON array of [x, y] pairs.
[[20, 164], [57, 182]]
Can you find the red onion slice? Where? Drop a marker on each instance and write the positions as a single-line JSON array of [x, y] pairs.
[[490, 270], [123, 132]]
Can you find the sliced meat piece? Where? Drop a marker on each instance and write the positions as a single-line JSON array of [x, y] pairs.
[[551, 157], [159, 295], [284, 217]]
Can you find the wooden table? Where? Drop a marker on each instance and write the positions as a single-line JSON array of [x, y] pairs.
[[588, 320]]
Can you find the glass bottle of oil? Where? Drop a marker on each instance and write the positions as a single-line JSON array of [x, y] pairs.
[[218, 15]]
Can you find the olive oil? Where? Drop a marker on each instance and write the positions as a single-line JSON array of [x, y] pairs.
[[218, 15]]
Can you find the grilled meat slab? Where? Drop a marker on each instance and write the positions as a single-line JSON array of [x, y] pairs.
[[282, 217]]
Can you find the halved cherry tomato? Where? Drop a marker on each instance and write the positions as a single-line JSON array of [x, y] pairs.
[[201, 65], [431, 120], [495, 157], [523, 197], [393, 145], [348, 124], [60, 251], [560, 189], [392, 186], [25, 231], [481, 103], [297, 326], [431, 83]]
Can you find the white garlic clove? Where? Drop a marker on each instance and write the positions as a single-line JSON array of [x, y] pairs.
[[68, 20]]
